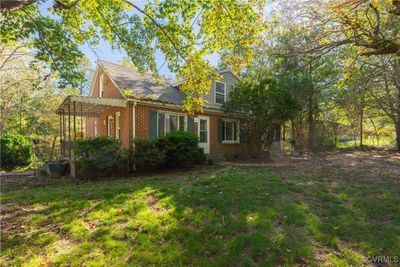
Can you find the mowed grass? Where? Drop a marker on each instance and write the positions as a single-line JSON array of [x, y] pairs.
[[232, 216]]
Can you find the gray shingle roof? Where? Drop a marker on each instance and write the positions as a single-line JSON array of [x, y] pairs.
[[144, 87]]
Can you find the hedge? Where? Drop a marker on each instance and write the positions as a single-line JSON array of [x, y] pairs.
[[16, 151]]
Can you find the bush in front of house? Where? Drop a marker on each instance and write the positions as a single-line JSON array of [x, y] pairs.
[[16, 151], [181, 149], [146, 155], [100, 156]]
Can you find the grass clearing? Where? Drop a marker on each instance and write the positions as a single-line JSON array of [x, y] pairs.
[[230, 216]]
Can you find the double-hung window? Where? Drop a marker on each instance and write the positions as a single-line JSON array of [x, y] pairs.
[[220, 93], [169, 122], [230, 131], [110, 125]]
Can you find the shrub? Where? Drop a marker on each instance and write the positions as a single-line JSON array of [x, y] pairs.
[[146, 154], [16, 151], [100, 156], [181, 149], [325, 142]]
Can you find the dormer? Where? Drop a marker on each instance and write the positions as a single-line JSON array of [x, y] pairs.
[[219, 92]]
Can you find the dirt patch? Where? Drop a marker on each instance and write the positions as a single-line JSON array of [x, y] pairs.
[[63, 246], [122, 225], [92, 225], [152, 202], [368, 164], [12, 216]]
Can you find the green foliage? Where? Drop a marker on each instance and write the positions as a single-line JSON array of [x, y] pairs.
[[176, 149], [325, 142], [52, 41], [263, 101], [16, 151], [100, 156], [299, 85], [146, 155], [262, 105], [185, 31], [29, 98], [181, 149]]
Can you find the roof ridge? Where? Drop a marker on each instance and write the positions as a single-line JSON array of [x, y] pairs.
[[117, 64], [138, 72]]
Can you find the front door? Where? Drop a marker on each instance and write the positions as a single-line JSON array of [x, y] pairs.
[[204, 133]]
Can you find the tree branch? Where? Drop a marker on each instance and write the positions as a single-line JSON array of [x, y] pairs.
[[9, 6]]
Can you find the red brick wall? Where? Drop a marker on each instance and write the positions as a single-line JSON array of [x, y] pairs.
[[142, 120], [228, 150], [102, 121], [89, 127], [110, 90], [142, 127]]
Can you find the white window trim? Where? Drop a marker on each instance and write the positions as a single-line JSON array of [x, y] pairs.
[[204, 145], [110, 117], [171, 113], [101, 85], [208, 127], [215, 92], [237, 133], [117, 125]]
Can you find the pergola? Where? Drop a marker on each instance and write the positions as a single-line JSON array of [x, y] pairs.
[[80, 106]]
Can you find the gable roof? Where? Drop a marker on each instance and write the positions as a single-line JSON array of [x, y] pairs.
[[143, 86]]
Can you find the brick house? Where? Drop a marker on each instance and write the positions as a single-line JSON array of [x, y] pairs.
[[124, 104]]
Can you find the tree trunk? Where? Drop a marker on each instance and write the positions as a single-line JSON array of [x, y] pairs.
[[362, 109], [397, 106], [335, 133], [278, 132], [375, 131], [311, 125], [397, 124], [53, 145], [361, 124], [293, 134], [39, 153]]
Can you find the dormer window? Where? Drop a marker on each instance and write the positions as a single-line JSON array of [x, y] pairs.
[[101, 86], [220, 92]]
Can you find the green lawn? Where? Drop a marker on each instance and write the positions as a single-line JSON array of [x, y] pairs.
[[240, 216], [384, 142]]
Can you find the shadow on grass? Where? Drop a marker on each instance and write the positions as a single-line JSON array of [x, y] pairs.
[[215, 217]]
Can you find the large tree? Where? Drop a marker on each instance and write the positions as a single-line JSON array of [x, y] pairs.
[[263, 106], [29, 98], [371, 26], [186, 31], [384, 83]]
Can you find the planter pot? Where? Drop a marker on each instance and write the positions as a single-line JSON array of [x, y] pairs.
[[55, 169]]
